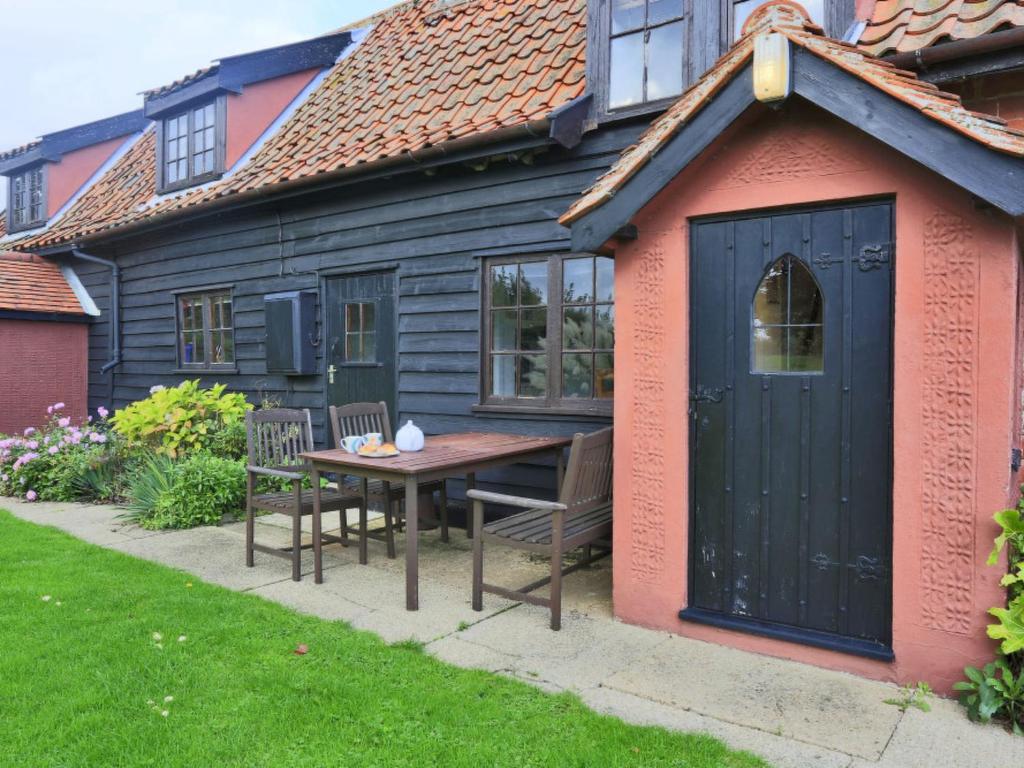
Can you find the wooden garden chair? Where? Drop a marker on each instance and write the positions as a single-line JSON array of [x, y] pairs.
[[363, 418], [276, 438], [581, 517]]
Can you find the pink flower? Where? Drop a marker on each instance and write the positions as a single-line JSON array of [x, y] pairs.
[[97, 437], [32, 444], [103, 412], [52, 450], [64, 422], [58, 406], [29, 431], [31, 495]]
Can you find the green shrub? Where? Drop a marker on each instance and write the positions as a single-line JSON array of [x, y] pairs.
[[175, 421], [997, 690], [48, 463], [197, 490], [149, 484]]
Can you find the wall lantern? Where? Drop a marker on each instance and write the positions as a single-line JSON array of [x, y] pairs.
[[771, 67]]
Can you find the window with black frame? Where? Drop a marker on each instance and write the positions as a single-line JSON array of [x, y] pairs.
[[191, 146], [646, 58], [27, 194], [206, 336], [550, 332]]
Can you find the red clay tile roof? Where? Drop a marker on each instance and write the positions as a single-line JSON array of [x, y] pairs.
[[31, 284], [199, 74], [896, 26], [790, 20], [425, 74]]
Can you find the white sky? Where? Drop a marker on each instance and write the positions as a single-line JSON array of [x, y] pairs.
[[69, 62]]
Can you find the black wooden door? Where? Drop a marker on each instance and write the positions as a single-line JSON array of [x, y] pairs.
[[790, 407], [361, 361]]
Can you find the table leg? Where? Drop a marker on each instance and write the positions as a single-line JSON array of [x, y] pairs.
[[470, 485], [412, 525], [364, 493], [318, 555]]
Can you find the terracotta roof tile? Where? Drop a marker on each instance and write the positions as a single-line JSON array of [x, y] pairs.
[[31, 284], [790, 20], [422, 76], [896, 26]]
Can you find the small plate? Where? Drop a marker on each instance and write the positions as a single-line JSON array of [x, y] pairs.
[[379, 454]]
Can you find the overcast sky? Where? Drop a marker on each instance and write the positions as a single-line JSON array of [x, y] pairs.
[[68, 62]]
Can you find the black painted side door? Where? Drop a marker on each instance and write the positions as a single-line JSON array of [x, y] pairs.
[[790, 406], [361, 359]]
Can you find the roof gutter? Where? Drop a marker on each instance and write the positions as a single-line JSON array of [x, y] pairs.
[[922, 58], [115, 305], [438, 154]]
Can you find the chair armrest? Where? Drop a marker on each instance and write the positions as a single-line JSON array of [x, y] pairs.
[[515, 501], [280, 473]]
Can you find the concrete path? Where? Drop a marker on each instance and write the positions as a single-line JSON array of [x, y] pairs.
[[794, 715]]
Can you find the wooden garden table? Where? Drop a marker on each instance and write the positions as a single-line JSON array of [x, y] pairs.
[[443, 456]]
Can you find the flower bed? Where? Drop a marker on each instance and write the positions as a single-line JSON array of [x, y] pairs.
[[176, 459]]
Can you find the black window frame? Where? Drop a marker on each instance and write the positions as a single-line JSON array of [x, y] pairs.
[[702, 45], [192, 179], [553, 402], [29, 222], [206, 294]]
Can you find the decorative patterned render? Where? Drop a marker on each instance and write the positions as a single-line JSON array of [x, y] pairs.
[[896, 26], [647, 524], [790, 20], [949, 417]]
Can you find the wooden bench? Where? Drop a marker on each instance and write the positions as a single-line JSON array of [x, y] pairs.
[[582, 517]]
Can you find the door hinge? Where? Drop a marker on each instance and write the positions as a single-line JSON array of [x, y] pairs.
[[1015, 457], [707, 395]]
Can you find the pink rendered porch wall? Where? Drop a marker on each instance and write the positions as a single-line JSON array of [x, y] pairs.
[[956, 401], [66, 177], [251, 112]]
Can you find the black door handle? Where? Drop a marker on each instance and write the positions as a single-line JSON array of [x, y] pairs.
[[707, 395]]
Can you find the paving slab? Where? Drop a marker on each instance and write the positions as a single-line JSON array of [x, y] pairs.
[[463, 653], [817, 706], [585, 652], [779, 751], [945, 738]]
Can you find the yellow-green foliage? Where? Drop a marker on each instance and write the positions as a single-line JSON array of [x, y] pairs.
[[176, 420]]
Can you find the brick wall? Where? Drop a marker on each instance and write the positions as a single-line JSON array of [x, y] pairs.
[[41, 363], [1000, 94]]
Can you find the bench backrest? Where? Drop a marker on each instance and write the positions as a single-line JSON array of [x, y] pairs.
[[277, 436], [588, 476], [360, 419]]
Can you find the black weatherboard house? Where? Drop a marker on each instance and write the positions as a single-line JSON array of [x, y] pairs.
[[480, 212]]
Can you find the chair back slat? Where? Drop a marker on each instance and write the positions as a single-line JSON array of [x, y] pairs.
[[588, 476], [276, 437], [359, 419]]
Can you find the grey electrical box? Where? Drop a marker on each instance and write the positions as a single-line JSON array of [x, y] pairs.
[[291, 332]]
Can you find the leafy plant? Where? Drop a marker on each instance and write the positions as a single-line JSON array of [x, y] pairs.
[[197, 490], [1010, 628], [204, 488], [993, 691], [149, 487], [47, 463], [177, 420], [916, 696]]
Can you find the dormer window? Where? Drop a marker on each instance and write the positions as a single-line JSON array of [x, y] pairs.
[[190, 148], [27, 195], [646, 61]]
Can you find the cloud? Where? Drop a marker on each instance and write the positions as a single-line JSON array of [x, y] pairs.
[[71, 62]]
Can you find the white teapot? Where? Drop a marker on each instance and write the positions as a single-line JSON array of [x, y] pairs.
[[409, 438]]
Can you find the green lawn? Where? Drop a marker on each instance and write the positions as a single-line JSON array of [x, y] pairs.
[[83, 682]]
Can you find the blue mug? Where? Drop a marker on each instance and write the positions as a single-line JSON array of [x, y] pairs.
[[353, 443]]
